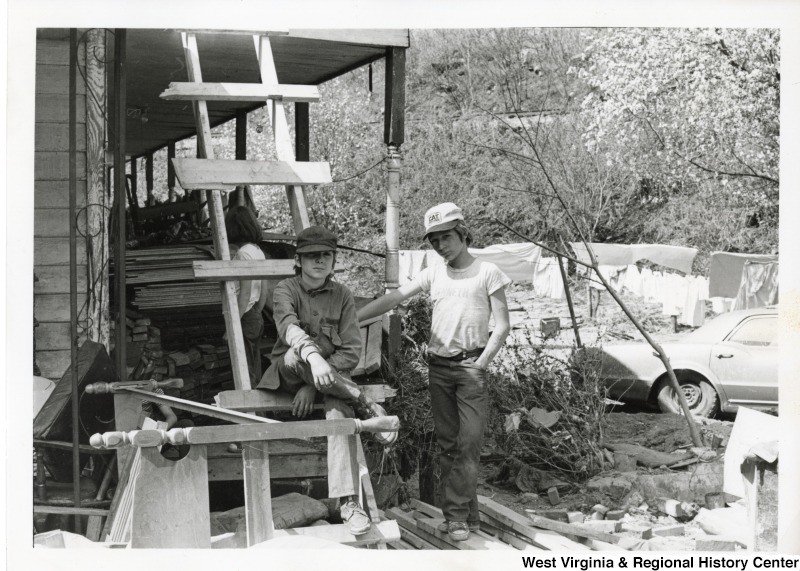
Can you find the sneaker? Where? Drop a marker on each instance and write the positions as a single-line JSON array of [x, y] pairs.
[[458, 531], [356, 518], [444, 526], [366, 410]]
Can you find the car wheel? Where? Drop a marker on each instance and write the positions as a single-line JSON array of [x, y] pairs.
[[700, 396]]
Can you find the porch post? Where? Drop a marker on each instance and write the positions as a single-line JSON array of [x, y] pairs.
[[394, 123]]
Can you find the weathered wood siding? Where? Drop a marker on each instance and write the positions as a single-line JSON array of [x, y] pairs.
[[51, 202]]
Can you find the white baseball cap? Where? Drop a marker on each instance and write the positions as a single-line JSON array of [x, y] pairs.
[[442, 217]]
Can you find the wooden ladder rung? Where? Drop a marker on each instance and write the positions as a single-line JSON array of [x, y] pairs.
[[280, 32], [274, 401], [225, 270], [220, 174], [191, 91]]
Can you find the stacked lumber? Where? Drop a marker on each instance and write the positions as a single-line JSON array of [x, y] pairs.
[[503, 528], [205, 370]]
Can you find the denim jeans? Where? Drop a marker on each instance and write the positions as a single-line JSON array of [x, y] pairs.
[[343, 477], [459, 402]]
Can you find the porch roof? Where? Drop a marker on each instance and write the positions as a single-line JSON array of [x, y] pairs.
[[155, 58]]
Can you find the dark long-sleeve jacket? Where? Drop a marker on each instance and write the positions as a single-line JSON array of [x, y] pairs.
[[322, 321]]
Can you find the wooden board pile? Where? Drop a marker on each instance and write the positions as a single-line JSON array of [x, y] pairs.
[[503, 528]]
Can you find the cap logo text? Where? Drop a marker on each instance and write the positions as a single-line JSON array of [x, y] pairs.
[[435, 217]]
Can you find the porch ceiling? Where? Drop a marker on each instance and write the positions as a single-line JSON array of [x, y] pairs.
[[155, 58]]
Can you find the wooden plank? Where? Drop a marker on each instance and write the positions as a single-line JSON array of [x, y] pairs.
[[205, 150], [164, 210], [519, 524], [200, 408], [54, 336], [366, 493], [54, 307], [395, 97], [55, 279], [226, 270], [218, 270], [128, 416], [406, 521], [257, 496], [69, 510], [55, 137], [300, 465], [51, 222], [170, 507], [54, 108], [473, 542], [55, 252], [575, 529], [398, 37], [54, 165], [280, 134], [383, 532], [507, 537], [55, 79], [371, 337], [54, 194], [187, 91], [220, 174], [272, 401], [268, 431], [434, 512], [276, 32], [56, 52]]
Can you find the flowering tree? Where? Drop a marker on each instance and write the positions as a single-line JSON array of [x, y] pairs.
[[688, 109]]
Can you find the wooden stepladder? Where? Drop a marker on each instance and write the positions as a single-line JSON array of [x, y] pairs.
[[213, 175]]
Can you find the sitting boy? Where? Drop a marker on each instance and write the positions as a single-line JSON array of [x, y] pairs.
[[318, 344]]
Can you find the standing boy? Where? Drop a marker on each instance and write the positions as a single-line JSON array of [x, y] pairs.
[[465, 292], [319, 343]]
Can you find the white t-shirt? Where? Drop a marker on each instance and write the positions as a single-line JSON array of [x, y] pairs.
[[250, 252], [461, 306]]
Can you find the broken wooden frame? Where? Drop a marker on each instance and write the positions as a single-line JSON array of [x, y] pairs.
[[170, 507]]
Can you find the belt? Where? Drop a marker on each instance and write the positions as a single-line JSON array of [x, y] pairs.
[[464, 355]]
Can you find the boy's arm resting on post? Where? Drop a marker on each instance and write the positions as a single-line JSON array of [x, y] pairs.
[[346, 356], [389, 301], [502, 326]]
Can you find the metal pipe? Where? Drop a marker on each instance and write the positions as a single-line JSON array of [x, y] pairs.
[[73, 271]]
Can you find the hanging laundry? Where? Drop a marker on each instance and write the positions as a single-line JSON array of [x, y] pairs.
[[547, 280], [725, 271], [673, 295], [514, 260], [721, 304], [694, 310], [614, 275], [633, 280], [674, 257], [759, 285]]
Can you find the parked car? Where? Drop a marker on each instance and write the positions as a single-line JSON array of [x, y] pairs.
[[730, 361]]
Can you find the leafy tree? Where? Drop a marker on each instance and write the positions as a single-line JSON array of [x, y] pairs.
[[688, 109]]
